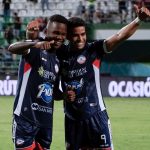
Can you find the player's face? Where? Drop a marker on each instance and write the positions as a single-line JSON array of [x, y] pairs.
[[78, 37], [58, 32]]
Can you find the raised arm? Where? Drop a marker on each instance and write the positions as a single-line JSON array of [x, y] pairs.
[[32, 32], [128, 30], [22, 48]]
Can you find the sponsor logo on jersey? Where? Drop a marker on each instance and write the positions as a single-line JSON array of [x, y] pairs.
[[19, 141], [41, 108], [76, 85], [79, 102], [41, 71], [44, 59], [66, 61], [45, 92], [81, 59], [77, 72], [47, 74], [34, 106]]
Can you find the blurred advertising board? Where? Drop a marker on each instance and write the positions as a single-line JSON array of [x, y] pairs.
[[125, 86], [8, 85], [111, 86]]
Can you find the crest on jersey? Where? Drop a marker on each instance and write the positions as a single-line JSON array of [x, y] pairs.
[[45, 92], [81, 59]]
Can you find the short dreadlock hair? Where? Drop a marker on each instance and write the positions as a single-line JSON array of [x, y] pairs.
[[58, 18]]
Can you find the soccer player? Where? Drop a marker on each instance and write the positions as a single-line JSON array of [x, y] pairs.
[[87, 125], [38, 71]]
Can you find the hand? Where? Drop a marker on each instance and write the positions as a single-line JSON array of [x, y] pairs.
[[70, 94], [33, 26], [142, 12], [32, 31], [44, 45]]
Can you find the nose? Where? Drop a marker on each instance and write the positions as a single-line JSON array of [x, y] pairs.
[[80, 38], [60, 37]]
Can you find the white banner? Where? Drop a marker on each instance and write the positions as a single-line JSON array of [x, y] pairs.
[[111, 86]]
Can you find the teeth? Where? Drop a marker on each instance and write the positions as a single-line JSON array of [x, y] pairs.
[[58, 42]]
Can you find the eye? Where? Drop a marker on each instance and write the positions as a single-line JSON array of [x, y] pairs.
[[56, 32], [83, 34]]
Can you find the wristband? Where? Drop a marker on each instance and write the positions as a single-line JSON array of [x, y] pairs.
[[137, 20]]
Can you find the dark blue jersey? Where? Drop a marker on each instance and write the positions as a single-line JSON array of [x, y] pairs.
[[81, 71], [38, 72]]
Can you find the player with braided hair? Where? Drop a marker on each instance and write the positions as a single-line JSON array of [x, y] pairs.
[[38, 72]]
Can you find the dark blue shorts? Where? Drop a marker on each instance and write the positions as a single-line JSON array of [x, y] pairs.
[[25, 133], [90, 133]]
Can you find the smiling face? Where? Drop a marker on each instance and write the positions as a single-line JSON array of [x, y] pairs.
[[78, 37], [58, 32]]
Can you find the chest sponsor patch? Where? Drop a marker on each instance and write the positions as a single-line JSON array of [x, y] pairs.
[[76, 85], [45, 92]]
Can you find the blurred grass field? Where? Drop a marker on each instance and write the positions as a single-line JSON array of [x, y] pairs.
[[130, 119]]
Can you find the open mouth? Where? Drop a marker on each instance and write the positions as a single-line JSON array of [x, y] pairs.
[[58, 43], [80, 44]]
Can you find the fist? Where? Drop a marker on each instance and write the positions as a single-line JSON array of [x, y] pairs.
[[33, 25], [71, 96], [142, 12], [32, 31]]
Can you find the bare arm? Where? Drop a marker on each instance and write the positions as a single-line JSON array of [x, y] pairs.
[[32, 32], [20, 47], [128, 30]]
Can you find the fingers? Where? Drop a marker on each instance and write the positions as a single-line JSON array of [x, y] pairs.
[[143, 13], [70, 88], [136, 8], [33, 25], [147, 11], [44, 45], [71, 96]]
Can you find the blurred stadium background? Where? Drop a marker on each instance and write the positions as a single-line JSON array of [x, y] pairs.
[[125, 73]]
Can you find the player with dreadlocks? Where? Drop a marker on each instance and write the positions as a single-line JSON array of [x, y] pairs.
[[38, 72]]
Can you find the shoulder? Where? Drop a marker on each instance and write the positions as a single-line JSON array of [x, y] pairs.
[[33, 53], [98, 44], [62, 51]]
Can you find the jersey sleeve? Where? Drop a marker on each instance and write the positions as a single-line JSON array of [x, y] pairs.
[[98, 47], [32, 56], [62, 52]]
